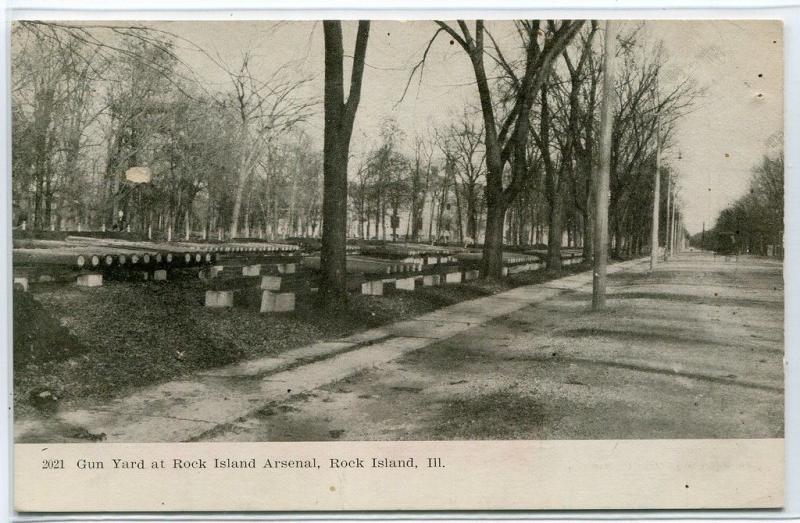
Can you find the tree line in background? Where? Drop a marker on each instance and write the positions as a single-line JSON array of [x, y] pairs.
[[515, 166], [753, 224], [89, 103], [535, 133]]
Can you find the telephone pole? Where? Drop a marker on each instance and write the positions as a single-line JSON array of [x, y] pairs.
[[672, 228], [657, 189], [703, 238], [668, 230], [602, 175]]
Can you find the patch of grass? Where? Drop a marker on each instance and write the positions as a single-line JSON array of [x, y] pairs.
[[653, 335], [38, 337], [502, 414], [694, 299], [534, 277], [100, 343], [445, 357]]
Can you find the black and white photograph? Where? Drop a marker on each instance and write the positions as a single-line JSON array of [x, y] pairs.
[[255, 231]]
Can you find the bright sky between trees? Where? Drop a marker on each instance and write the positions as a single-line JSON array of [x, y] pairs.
[[738, 64]]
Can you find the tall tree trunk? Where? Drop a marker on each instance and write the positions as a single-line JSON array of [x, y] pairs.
[[459, 214], [587, 236], [493, 241], [472, 215], [339, 117], [415, 214], [554, 233], [383, 221], [552, 186], [42, 118], [276, 221], [432, 214], [442, 207], [291, 226], [242, 174], [617, 239]]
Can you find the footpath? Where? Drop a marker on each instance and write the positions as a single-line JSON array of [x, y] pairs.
[[205, 403]]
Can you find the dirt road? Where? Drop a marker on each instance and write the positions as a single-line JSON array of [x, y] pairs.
[[692, 350]]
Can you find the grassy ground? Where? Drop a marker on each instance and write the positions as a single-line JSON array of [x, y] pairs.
[[75, 343]]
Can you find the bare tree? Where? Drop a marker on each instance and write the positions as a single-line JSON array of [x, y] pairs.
[[465, 139], [641, 111], [420, 183], [564, 130], [53, 106], [264, 109], [506, 138]]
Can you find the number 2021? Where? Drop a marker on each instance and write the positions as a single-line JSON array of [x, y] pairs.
[[53, 464]]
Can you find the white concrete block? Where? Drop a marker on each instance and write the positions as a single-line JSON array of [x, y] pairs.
[[21, 283], [160, 275], [251, 270], [473, 274], [452, 277], [372, 288], [271, 283], [505, 271], [90, 280], [431, 280], [287, 268], [215, 270], [277, 301], [219, 298], [405, 284]]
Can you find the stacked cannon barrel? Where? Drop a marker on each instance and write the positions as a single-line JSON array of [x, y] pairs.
[[253, 273], [64, 260]]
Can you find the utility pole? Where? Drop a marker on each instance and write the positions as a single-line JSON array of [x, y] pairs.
[[657, 189], [703, 238], [674, 230], [603, 173], [671, 229], [667, 236]]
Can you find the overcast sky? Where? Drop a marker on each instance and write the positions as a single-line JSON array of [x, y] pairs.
[[738, 62]]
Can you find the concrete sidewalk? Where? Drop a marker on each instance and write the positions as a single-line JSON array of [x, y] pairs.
[[199, 405]]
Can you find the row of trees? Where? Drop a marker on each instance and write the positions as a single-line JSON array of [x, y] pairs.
[[91, 102], [554, 192], [539, 100], [516, 165], [438, 184], [753, 224]]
